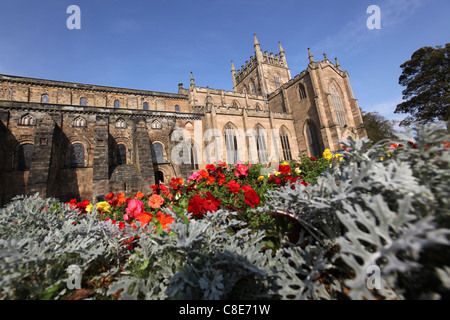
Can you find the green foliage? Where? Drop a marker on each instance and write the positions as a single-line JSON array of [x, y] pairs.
[[378, 127], [426, 80]]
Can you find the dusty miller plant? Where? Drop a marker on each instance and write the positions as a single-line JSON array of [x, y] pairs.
[[385, 206], [197, 259], [41, 238]]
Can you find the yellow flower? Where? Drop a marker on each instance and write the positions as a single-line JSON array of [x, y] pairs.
[[327, 154], [260, 178], [277, 173], [382, 158], [297, 170], [89, 207], [103, 206], [339, 156], [284, 163]]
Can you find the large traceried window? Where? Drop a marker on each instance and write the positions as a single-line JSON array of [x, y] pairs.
[[261, 144], [252, 87], [231, 144], [302, 91], [277, 81], [313, 140], [338, 106], [77, 155], [25, 156], [285, 146]]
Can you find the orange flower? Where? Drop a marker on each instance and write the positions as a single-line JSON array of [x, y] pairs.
[[139, 195], [164, 219], [119, 200], [204, 174], [155, 201], [144, 218]]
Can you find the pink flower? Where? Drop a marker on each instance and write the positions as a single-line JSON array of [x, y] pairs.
[[241, 170], [135, 207], [193, 177]]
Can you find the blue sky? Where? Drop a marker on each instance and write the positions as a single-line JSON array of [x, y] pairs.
[[155, 44]]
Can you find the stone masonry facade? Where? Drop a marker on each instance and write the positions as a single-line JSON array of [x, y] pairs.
[[70, 140]]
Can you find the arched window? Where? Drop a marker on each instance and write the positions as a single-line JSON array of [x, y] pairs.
[[313, 140], [25, 156], [77, 155], [277, 82], [235, 104], [83, 101], [145, 106], [252, 87], [301, 91], [121, 154], [231, 144], [44, 98], [116, 104], [258, 107], [27, 120], [261, 145], [79, 122], [193, 156], [157, 153], [121, 124], [285, 146], [337, 105], [177, 108], [156, 124]]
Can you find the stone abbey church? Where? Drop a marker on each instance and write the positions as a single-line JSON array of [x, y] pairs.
[[71, 140]]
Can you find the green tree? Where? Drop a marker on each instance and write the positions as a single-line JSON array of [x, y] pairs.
[[377, 126], [426, 78]]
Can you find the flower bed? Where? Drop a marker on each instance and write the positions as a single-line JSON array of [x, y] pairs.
[[367, 222]]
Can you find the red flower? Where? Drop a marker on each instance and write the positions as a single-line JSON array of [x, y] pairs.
[[234, 186], [251, 197], [313, 158], [109, 196], [176, 182], [210, 167], [284, 168], [412, 144], [199, 206]]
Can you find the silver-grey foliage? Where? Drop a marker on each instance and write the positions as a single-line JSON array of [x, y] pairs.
[[383, 206]]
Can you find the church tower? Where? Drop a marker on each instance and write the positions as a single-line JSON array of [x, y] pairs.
[[263, 74]]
